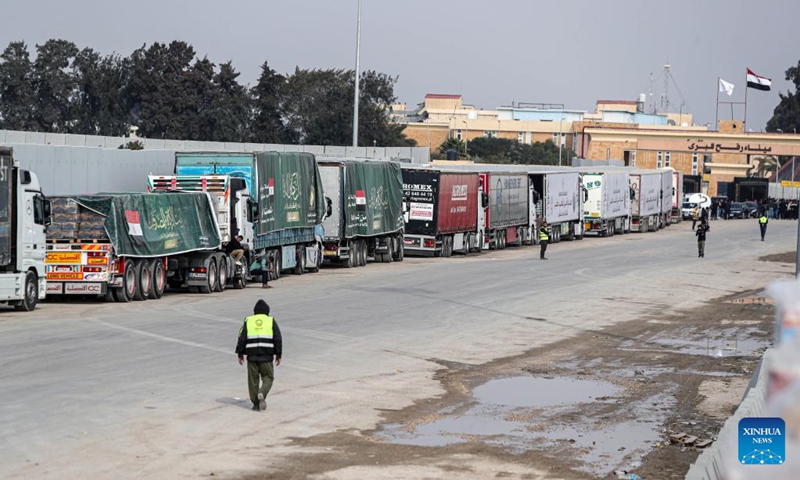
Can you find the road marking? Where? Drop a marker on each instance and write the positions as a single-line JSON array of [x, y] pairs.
[[162, 337]]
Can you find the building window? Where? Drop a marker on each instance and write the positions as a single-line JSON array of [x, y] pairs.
[[490, 133], [633, 158], [694, 163], [520, 137], [458, 135], [659, 157], [667, 159]]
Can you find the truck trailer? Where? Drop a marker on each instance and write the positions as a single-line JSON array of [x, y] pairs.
[[131, 246], [677, 196], [559, 197], [445, 211], [646, 201], [667, 194], [607, 209], [366, 218], [24, 214], [287, 204]]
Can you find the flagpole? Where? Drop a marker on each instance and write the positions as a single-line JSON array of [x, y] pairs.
[[716, 118], [744, 127]]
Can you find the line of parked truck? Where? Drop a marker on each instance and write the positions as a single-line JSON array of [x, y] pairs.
[[302, 213]]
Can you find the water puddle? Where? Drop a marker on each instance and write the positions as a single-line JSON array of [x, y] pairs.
[[523, 413], [541, 392], [725, 343]]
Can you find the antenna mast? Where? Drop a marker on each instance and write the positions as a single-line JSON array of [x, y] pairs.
[[666, 88]]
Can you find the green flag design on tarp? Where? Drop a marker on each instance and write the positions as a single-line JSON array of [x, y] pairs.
[[289, 191], [374, 201], [154, 225]]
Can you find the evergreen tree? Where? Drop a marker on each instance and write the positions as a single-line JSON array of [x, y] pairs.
[[16, 91]]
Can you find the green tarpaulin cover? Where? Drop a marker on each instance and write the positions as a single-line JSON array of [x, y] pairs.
[[154, 225], [373, 200], [289, 191]]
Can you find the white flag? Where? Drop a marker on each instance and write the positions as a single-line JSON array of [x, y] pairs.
[[725, 87]]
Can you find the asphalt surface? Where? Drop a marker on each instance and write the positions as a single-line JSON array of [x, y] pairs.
[[153, 390]]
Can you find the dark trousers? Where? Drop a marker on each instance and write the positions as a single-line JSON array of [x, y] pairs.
[[259, 378], [763, 231], [543, 244], [264, 275], [701, 248], [694, 222]]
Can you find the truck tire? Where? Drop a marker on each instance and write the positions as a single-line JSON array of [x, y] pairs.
[[127, 291], [30, 295], [447, 246], [399, 254], [144, 280], [388, 256], [222, 273], [278, 263], [211, 277], [159, 283], [351, 255], [300, 267]]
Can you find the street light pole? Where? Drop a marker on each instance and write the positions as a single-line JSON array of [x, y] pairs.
[[358, 75], [466, 140]]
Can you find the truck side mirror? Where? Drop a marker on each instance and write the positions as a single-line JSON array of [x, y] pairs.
[[328, 207], [633, 194], [484, 200], [254, 210]]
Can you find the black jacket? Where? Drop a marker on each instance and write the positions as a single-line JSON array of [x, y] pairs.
[[277, 340], [701, 232], [233, 245]]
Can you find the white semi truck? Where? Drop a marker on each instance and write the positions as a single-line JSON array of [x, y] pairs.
[[646, 201], [607, 209], [559, 197], [24, 214]]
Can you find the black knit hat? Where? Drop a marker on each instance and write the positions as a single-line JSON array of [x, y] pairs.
[[261, 307]]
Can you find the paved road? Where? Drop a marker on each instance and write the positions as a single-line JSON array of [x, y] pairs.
[[153, 390]]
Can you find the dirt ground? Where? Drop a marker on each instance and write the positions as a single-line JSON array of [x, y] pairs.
[[673, 377]]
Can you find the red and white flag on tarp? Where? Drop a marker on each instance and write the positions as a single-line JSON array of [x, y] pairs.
[[758, 82], [361, 200], [134, 225]]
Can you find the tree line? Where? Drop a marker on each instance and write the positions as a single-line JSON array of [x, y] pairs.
[[506, 151], [168, 91]]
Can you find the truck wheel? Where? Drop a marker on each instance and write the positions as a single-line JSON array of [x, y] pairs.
[[211, 277], [127, 292], [144, 280], [300, 267], [30, 294], [277, 265], [159, 283], [400, 251], [447, 246], [351, 255], [388, 257], [222, 274]]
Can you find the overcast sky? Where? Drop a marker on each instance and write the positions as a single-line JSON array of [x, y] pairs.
[[569, 51]]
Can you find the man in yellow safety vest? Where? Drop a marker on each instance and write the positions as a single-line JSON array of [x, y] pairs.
[[260, 339], [544, 239]]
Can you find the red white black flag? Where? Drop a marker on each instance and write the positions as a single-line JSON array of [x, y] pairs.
[[758, 82], [361, 200]]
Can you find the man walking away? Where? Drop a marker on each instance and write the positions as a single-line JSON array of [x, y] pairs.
[[260, 339], [544, 239], [762, 223], [701, 238]]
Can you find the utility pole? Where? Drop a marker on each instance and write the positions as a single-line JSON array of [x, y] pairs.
[[666, 88], [358, 76]]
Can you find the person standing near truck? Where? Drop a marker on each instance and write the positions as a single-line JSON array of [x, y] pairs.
[[762, 224], [544, 239], [235, 249], [263, 267], [701, 238], [260, 339]]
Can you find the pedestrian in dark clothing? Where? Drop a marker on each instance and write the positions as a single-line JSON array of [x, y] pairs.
[[260, 339], [544, 239], [762, 224], [701, 238], [714, 209]]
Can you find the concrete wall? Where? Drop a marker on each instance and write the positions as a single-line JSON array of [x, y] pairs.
[[83, 164]]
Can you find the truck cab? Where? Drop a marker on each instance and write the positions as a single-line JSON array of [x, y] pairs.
[[24, 215]]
